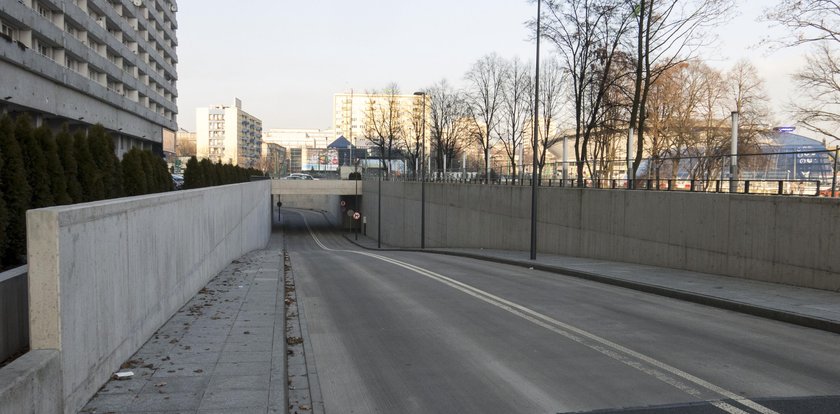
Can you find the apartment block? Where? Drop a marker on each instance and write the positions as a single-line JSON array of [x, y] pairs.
[[354, 113], [228, 134], [83, 62]]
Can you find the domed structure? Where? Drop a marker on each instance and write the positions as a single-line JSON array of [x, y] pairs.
[[789, 156]]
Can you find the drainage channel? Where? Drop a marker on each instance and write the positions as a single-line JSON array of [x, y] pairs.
[[304, 394]]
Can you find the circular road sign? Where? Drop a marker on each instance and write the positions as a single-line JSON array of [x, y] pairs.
[[356, 216], [343, 203]]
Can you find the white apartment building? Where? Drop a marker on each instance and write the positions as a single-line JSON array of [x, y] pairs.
[[352, 111], [83, 62], [228, 134]]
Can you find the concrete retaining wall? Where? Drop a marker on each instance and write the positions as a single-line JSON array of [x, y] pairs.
[[104, 276], [790, 240]]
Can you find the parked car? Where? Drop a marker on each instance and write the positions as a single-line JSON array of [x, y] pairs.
[[177, 181], [298, 176]]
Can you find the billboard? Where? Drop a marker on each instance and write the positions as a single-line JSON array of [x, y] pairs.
[[321, 160]]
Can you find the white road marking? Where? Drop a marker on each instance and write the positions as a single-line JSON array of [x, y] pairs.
[[658, 369]]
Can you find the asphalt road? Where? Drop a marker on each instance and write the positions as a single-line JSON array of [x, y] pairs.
[[401, 332]]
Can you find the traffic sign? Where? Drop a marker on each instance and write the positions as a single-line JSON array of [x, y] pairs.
[[343, 203], [356, 216]]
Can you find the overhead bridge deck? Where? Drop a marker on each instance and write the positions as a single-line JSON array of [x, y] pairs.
[[335, 197], [315, 187]]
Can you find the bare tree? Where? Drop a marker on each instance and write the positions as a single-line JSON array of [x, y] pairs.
[[484, 99], [819, 81], [667, 32], [817, 22], [412, 144], [612, 125], [588, 35], [448, 122], [384, 126], [746, 90], [516, 109], [809, 20], [552, 80], [711, 136], [673, 108]]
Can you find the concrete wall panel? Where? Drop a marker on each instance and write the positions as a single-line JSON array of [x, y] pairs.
[[104, 276], [791, 240]]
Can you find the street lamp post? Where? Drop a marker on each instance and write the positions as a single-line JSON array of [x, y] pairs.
[[422, 96], [534, 148], [358, 208], [834, 173], [379, 213]]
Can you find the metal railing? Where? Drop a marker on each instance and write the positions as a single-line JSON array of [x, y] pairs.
[[766, 187], [14, 314], [799, 173]]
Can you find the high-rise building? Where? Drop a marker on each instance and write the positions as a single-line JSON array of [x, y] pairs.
[[85, 62], [228, 134], [354, 113]]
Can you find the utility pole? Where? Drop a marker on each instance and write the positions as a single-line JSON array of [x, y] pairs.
[[534, 148]]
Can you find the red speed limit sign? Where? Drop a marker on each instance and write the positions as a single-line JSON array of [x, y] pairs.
[[343, 203], [356, 216]]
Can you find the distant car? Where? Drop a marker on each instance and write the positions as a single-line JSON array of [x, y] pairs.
[[298, 176], [177, 181]]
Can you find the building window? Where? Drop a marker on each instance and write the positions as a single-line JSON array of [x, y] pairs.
[[43, 11], [72, 31], [71, 63], [8, 31], [95, 75], [44, 49]]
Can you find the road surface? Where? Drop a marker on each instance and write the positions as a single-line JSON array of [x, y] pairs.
[[407, 332]]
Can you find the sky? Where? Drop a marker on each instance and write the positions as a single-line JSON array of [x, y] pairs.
[[285, 59]]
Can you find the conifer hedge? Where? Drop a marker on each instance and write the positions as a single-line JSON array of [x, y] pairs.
[[205, 173], [39, 169]]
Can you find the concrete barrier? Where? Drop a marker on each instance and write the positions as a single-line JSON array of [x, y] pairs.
[[31, 384], [782, 239], [104, 276], [315, 187]]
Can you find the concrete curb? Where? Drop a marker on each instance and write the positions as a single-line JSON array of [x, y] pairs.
[[717, 302]]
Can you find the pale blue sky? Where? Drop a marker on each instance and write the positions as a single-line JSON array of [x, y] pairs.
[[285, 59]]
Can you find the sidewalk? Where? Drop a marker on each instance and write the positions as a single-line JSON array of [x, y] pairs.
[[813, 308], [223, 352]]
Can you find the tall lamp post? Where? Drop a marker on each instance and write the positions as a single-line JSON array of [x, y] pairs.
[[379, 212], [534, 148], [422, 96]]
